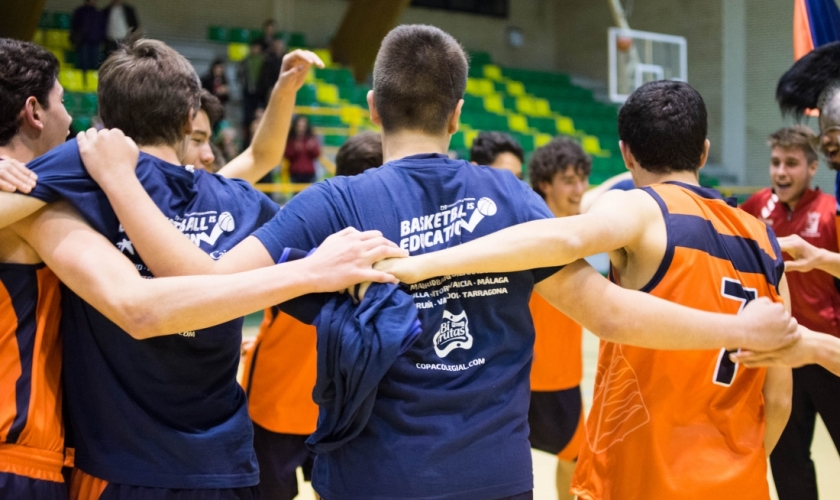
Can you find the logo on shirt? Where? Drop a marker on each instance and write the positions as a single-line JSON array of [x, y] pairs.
[[204, 227], [768, 209], [438, 228], [454, 334], [812, 228]]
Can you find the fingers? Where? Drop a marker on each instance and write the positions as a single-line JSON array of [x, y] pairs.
[[796, 266], [383, 252], [379, 277], [14, 176], [7, 187]]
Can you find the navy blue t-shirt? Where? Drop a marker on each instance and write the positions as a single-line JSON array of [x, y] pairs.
[[450, 419], [165, 412]]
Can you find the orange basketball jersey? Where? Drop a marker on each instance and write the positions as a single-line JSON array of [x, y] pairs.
[[280, 375], [31, 428], [686, 424], [558, 360]]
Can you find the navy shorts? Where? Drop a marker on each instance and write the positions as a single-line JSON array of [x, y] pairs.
[[556, 421], [27, 488], [279, 455]]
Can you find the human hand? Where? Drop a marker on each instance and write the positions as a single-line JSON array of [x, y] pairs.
[[403, 269], [796, 354], [347, 257], [108, 154], [14, 176], [805, 255], [295, 66], [767, 326]]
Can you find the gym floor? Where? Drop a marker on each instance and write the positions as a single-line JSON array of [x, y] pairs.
[[823, 452]]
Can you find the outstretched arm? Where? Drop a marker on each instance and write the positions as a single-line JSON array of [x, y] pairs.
[[631, 317], [593, 194], [618, 219], [93, 268], [812, 348], [269, 143], [807, 257]]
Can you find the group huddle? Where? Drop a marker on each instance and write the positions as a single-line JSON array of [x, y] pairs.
[[423, 376]]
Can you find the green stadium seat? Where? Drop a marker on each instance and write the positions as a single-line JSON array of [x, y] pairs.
[[544, 125], [46, 21], [526, 141], [306, 96], [297, 40], [69, 58], [457, 141], [355, 94], [239, 35], [89, 103], [61, 20], [509, 101], [334, 140], [479, 59], [473, 102], [218, 34], [81, 123], [336, 76], [326, 121], [73, 102]]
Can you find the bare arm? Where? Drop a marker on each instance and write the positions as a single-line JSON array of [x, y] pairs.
[[14, 207], [618, 219], [778, 391], [269, 143], [807, 257], [593, 194], [631, 317], [93, 268]]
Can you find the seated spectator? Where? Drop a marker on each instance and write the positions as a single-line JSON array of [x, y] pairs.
[[87, 32], [215, 81], [302, 149]]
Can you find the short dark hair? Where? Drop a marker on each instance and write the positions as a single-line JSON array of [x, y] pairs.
[[796, 137], [359, 153], [419, 76], [149, 91], [211, 105], [26, 70], [555, 157], [664, 124], [487, 146]]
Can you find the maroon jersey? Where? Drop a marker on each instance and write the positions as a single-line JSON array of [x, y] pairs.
[[815, 300]]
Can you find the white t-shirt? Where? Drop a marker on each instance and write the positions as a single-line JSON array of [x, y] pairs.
[[117, 24]]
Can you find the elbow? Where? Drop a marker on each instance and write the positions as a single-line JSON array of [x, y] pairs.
[[139, 321], [608, 328]]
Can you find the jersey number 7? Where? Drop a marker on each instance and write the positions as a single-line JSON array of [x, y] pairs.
[[726, 369]]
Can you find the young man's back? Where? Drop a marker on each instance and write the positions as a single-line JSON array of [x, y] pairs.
[[701, 418], [453, 409]]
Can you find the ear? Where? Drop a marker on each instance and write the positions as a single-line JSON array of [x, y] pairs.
[[32, 113], [705, 156], [813, 166], [374, 114], [627, 156], [188, 124], [545, 187], [452, 126]]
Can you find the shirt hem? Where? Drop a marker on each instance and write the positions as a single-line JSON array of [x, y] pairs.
[[486, 493], [173, 481]]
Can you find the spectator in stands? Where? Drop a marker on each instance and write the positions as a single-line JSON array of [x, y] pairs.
[[498, 150], [302, 149], [215, 81], [270, 71], [87, 32], [248, 74], [359, 153], [269, 33], [120, 20]]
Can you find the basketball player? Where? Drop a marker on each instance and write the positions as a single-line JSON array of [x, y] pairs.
[[663, 424], [280, 368], [498, 150], [450, 417], [122, 393]]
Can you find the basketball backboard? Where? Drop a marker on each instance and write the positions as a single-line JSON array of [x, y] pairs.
[[638, 57]]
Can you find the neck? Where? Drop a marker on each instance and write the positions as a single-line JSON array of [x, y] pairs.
[[642, 177], [165, 153], [21, 150], [408, 142], [556, 210]]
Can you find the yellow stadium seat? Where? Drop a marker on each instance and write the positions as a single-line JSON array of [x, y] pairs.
[[469, 137], [565, 125], [91, 81], [352, 115], [494, 103], [325, 56], [515, 89], [591, 145], [38, 37], [541, 140], [326, 93], [59, 54], [492, 72], [237, 51], [72, 80], [58, 39], [541, 107], [480, 87], [525, 105], [518, 123]]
